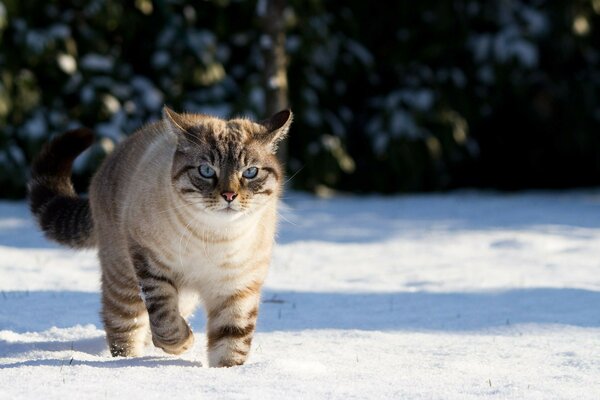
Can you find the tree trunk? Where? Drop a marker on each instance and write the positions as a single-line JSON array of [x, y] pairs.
[[272, 42]]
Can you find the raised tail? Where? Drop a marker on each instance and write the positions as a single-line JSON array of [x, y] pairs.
[[62, 215]]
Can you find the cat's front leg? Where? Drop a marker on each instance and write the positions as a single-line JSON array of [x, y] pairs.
[[231, 324], [170, 331]]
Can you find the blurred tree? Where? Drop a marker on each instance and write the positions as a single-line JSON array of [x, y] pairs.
[[272, 42], [411, 96], [388, 96], [111, 66]]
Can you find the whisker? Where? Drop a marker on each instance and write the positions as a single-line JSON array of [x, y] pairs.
[[295, 173], [178, 207], [286, 220]]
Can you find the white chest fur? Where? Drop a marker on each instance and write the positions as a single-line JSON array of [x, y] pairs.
[[220, 258]]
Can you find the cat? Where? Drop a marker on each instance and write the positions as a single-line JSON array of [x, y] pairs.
[[183, 211]]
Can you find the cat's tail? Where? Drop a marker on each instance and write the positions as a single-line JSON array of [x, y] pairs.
[[62, 215]]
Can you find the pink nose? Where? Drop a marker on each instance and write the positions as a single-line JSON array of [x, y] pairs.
[[229, 196]]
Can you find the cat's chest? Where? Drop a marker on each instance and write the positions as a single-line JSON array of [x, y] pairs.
[[201, 257], [208, 251]]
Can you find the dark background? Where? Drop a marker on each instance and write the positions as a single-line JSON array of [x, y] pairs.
[[388, 96]]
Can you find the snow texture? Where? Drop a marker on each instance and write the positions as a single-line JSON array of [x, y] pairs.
[[458, 296]]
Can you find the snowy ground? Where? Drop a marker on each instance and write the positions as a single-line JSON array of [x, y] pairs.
[[458, 296]]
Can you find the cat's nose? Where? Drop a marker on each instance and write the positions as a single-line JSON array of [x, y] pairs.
[[229, 196]]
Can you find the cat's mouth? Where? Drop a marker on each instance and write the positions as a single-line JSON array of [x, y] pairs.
[[229, 210], [229, 213]]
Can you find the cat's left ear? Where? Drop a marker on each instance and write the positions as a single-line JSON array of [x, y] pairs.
[[277, 128]]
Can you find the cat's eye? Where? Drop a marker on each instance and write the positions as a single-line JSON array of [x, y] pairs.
[[206, 171], [250, 173]]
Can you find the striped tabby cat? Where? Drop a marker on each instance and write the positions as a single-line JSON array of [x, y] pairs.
[[183, 211]]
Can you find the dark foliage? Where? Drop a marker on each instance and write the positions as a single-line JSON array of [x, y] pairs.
[[389, 96]]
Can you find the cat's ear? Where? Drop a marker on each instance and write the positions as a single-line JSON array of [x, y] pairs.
[[179, 125], [277, 128], [175, 122]]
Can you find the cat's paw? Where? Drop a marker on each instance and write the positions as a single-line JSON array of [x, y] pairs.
[[231, 362], [125, 349], [226, 357], [182, 340]]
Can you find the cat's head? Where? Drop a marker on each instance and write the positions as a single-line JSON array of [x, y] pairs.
[[227, 168]]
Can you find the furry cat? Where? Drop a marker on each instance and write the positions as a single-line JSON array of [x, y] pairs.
[[183, 211]]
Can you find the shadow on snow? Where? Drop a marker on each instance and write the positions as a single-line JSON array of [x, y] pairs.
[[371, 219], [144, 362], [397, 311], [296, 311], [39, 311]]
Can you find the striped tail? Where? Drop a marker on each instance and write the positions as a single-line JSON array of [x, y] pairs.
[[62, 215]]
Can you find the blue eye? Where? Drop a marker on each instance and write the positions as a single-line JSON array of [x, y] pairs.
[[250, 173], [206, 171]]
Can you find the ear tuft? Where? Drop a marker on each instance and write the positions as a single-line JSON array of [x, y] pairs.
[[277, 128], [174, 121]]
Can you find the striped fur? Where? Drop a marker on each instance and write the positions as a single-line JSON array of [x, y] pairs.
[[61, 214], [167, 237]]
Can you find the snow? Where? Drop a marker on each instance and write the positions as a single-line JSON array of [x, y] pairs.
[[97, 62], [67, 63], [261, 8], [151, 97], [113, 128], [508, 45], [160, 59], [537, 21], [360, 52], [265, 41], [203, 44], [35, 127], [465, 295], [519, 23]]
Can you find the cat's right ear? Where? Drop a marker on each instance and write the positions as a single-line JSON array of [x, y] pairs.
[[178, 125], [175, 122]]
